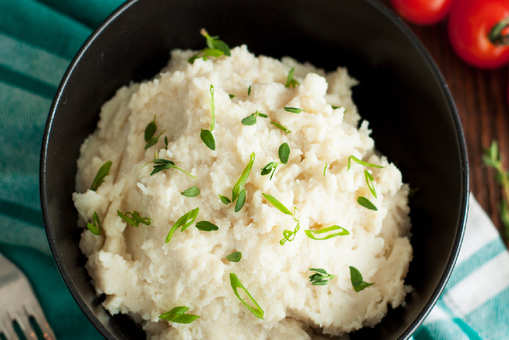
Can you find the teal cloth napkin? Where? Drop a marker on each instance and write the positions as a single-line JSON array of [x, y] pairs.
[[37, 41]]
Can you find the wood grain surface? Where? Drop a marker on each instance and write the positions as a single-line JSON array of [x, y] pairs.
[[481, 98]]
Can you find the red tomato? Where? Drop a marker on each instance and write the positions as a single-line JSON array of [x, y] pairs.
[[422, 12], [478, 32]]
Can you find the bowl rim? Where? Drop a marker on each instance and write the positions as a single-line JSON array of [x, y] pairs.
[[415, 42]]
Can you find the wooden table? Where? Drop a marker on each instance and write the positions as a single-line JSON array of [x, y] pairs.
[[480, 96]]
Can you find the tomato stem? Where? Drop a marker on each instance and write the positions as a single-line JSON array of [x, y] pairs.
[[496, 35]]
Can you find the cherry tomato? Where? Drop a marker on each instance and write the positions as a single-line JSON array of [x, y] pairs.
[[422, 12], [478, 30]]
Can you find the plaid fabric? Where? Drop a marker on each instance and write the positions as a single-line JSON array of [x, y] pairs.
[[37, 41]]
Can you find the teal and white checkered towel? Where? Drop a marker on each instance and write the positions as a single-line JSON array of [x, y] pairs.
[[37, 41]]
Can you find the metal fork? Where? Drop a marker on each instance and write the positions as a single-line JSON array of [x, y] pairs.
[[18, 303]]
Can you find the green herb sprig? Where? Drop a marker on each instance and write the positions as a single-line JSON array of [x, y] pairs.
[[103, 171], [366, 203], [293, 109], [361, 162], [150, 137], [191, 192], [236, 256], [95, 225], [270, 168], [215, 48], [183, 223], [206, 135], [284, 153], [320, 277], [291, 82], [206, 226], [288, 235], [165, 164], [225, 200], [325, 167], [238, 191], [358, 283], [281, 127], [251, 119], [253, 307], [493, 159], [178, 315], [133, 218], [312, 233], [249, 90]]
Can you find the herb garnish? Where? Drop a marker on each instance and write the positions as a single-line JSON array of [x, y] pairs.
[[290, 80], [216, 48], [280, 126], [492, 158], [133, 218], [254, 307], [325, 168], [293, 109], [288, 235], [251, 119], [358, 283], [164, 164], [363, 201], [234, 257], [284, 153], [312, 232], [206, 135], [320, 277], [238, 188], [150, 137], [178, 315], [103, 171], [206, 226], [270, 168], [361, 162], [191, 192], [231, 96], [249, 90], [369, 181], [95, 225], [183, 222], [225, 200], [166, 142], [335, 107]]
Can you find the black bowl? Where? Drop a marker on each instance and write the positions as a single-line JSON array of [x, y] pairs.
[[401, 93]]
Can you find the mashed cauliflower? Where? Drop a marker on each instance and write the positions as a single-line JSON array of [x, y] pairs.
[[143, 276]]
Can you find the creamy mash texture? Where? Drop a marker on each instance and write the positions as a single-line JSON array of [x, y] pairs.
[[143, 276]]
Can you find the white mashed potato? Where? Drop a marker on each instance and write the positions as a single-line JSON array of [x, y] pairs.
[[143, 276]]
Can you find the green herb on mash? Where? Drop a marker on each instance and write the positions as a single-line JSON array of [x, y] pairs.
[[231, 96], [206, 135], [95, 225], [253, 307], [293, 109], [191, 192], [369, 182], [215, 48], [290, 81], [358, 283], [333, 231], [164, 164], [238, 188], [178, 315], [225, 200], [280, 127], [183, 222], [270, 168], [325, 168], [251, 119], [284, 153], [277, 204], [166, 142], [249, 90], [335, 107], [103, 171], [288, 235], [234, 257], [133, 218], [361, 162], [320, 277], [150, 137], [363, 201], [206, 226]]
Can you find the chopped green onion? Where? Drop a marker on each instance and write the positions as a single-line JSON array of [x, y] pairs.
[[289, 235], [103, 171], [178, 315], [164, 164], [290, 81], [234, 257], [95, 225], [341, 232], [325, 168], [191, 192], [206, 226], [361, 162], [358, 283], [280, 127], [369, 182], [133, 218], [363, 201], [183, 222], [254, 307], [270, 168], [231, 96], [293, 109], [225, 199], [249, 90], [237, 188], [284, 153], [277, 204], [166, 142], [320, 277], [335, 107], [240, 200]]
